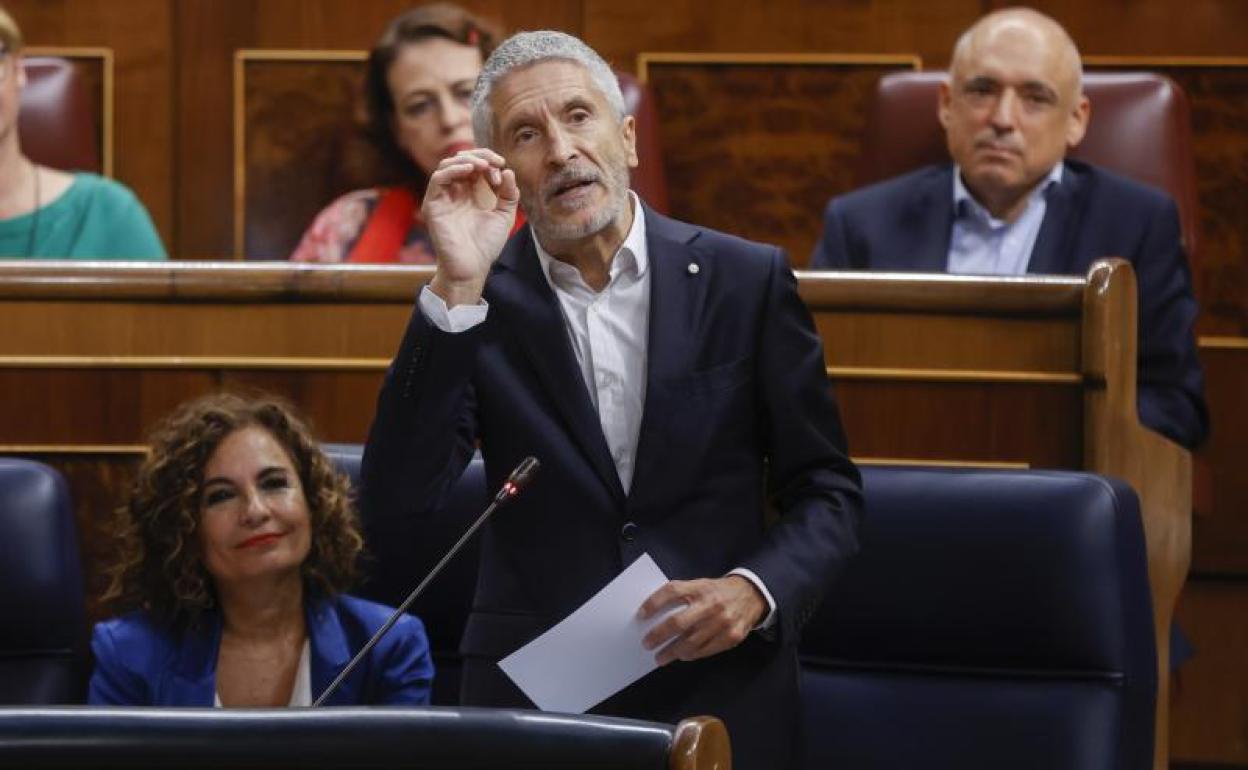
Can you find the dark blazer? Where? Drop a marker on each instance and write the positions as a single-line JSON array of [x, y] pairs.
[[738, 414], [141, 662], [906, 223]]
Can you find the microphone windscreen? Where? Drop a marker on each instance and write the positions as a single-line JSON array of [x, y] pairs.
[[524, 472]]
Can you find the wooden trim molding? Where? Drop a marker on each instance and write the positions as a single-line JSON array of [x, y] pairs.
[[105, 55], [925, 463], [647, 58], [1014, 295], [231, 282], [1164, 61], [73, 449], [1223, 343], [139, 449], [283, 363], [952, 375]]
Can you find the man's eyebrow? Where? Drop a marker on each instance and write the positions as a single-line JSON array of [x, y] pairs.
[[980, 80], [1039, 85], [578, 100]]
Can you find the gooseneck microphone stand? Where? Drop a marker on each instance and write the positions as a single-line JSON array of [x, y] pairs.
[[518, 479]]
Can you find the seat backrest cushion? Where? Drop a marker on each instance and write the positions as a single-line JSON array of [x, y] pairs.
[[42, 638], [1002, 617], [56, 123]]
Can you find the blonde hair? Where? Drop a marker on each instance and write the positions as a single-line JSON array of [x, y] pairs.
[[10, 33]]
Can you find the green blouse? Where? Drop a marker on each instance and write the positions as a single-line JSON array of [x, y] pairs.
[[96, 218]]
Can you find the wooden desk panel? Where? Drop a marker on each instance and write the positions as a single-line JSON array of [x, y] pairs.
[[96, 405], [984, 424], [1220, 526]]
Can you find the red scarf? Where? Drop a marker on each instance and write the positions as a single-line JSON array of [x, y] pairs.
[[387, 228], [386, 231]]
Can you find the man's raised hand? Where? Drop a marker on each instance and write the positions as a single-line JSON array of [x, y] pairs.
[[469, 209]]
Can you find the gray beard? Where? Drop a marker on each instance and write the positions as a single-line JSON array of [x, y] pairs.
[[556, 232]]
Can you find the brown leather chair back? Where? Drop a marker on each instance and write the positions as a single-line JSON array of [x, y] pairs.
[[1140, 128], [649, 178], [56, 124]]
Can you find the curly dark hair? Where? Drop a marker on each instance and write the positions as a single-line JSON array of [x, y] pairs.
[[160, 565], [444, 20]]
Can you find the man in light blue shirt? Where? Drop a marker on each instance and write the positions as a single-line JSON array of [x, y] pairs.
[[1011, 203]]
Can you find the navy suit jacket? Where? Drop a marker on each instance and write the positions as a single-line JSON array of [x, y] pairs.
[[906, 223], [141, 662], [738, 413]]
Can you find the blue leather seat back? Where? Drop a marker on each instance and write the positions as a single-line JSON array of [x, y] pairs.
[[992, 619], [397, 566], [42, 636]]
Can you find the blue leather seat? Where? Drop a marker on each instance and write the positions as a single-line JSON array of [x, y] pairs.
[[394, 566], [992, 619], [42, 636]]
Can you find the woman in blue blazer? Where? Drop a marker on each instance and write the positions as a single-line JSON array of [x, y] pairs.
[[236, 545]]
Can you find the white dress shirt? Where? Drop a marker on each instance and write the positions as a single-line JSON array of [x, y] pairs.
[[609, 332], [981, 244]]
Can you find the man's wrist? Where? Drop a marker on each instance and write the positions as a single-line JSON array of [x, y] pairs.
[[450, 320], [768, 616], [760, 603], [462, 292]]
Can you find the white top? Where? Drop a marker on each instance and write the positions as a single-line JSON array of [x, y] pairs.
[[301, 693]]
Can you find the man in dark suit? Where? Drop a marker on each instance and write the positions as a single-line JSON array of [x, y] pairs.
[[1010, 204], [667, 376]]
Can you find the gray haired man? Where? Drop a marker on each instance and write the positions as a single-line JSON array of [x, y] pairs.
[[667, 376]]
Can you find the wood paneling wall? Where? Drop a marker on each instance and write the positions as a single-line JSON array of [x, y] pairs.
[[173, 99], [208, 32]]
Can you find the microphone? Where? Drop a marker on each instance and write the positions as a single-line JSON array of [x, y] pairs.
[[515, 483]]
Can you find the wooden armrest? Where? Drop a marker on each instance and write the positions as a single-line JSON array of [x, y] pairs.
[[701, 743]]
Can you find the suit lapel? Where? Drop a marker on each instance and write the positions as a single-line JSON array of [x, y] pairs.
[[520, 289], [927, 226], [679, 276], [1050, 255], [193, 680], [329, 653]]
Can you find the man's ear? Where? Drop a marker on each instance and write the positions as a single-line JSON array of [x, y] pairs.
[[943, 101], [1077, 122], [628, 131], [19, 70]]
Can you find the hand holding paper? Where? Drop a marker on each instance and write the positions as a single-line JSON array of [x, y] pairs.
[[597, 650], [716, 615]]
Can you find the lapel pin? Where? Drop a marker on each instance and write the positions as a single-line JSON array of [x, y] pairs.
[[693, 268]]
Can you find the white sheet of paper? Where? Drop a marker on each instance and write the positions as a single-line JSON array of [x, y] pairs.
[[596, 651]]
